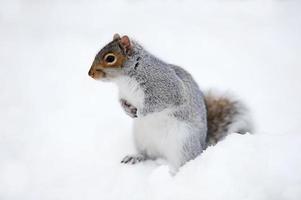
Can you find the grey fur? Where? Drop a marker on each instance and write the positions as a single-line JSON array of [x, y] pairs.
[[170, 86]]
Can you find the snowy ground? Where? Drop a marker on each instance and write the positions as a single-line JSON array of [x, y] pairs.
[[62, 134]]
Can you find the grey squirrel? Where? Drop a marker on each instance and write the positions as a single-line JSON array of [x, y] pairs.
[[173, 119]]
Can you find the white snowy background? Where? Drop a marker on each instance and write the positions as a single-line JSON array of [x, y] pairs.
[[63, 134]]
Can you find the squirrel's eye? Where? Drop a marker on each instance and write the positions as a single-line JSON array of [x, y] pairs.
[[110, 58]]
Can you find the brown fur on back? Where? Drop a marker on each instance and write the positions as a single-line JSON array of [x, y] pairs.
[[220, 114]]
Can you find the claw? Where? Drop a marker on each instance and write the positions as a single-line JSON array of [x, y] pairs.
[[133, 159]]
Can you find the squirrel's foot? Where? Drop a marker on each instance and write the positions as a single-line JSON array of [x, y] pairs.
[[128, 108], [133, 159]]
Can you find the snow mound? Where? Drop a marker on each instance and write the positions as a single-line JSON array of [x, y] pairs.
[[240, 167]]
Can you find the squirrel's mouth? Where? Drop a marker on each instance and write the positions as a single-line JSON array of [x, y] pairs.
[[96, 73]]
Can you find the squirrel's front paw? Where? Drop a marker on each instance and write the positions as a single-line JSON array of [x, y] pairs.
[[133, 159], [128, 108]]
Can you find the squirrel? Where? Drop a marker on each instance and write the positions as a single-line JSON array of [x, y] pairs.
[[173, 119]]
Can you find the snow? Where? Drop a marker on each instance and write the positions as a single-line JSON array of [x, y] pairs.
[[63, 135]]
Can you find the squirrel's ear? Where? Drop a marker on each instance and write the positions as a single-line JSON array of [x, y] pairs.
[[116, 36], [126, 44]]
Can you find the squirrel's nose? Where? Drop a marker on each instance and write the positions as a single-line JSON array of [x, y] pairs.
[[90, 73]]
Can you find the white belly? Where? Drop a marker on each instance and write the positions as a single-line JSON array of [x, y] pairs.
[[160, 135]]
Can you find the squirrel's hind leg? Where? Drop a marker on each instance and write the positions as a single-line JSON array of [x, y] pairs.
[[133, 159]]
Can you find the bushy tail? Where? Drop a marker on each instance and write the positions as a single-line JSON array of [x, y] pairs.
[[225, 115]]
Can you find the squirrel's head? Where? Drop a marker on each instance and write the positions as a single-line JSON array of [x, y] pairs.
[[109, 61]]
